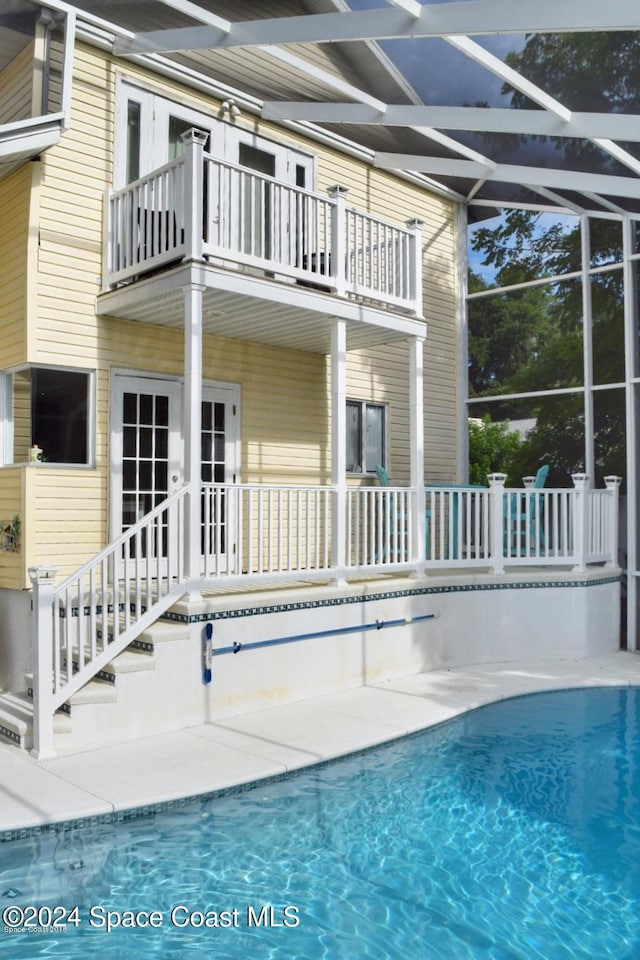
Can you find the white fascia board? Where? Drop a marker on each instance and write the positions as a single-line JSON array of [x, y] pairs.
[[573, 180], [30, 137], [470, 17], [540, 123]]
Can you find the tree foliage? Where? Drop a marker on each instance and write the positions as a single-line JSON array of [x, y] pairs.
[[532, 339], [493, 448]]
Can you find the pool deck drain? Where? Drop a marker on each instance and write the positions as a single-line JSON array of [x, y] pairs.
[[272, 742]]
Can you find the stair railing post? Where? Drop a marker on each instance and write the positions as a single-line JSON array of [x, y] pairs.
[[612, 484], [498, 519], [42, 580], [580, 521], [338, 256]]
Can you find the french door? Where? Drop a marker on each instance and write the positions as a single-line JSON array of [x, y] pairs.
[[272, 216], [147, 456]]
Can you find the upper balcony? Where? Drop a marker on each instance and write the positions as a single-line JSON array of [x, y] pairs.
[[255, 229]]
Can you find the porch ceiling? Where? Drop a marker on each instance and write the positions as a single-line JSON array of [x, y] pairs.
[[244, 307]]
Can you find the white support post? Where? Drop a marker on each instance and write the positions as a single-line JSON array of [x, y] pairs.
[[194, 141], [42, 581], [612, 484], [338, 256], [416, 434], [580, 521], [498, 520], [339, 448], [587, 347], [415, 264], [192, 429], [632, 387]]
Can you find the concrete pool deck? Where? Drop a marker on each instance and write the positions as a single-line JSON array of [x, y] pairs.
[[267, 743]]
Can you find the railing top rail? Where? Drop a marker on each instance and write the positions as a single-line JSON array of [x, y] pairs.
[[147, 178], [258, 175], [373, 218], [269, 486], [122, 539]]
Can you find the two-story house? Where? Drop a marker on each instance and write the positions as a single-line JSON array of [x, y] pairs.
[[218, 333]]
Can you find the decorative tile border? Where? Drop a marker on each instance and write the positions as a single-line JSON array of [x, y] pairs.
[[149, 811], [296, 605]]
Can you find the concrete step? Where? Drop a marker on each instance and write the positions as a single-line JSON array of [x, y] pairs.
[[16, 720], [129, 661], [95, 691], [92, 706]]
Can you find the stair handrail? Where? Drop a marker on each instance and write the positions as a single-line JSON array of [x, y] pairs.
[[130, 532], [54, 678]]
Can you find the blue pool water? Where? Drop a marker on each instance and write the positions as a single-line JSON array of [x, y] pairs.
[[511, 832]]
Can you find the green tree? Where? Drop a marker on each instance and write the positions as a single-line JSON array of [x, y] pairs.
[[492, 448], [505, 333], [590, 72]]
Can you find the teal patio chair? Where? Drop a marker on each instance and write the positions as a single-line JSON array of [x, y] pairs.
[[400, 522], [392, 519], [519, 518]]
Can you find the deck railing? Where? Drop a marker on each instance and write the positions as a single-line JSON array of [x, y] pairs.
[[262, 532], [86, 621], [202, 207], [258, 533]]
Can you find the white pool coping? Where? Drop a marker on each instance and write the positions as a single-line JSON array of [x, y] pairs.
[[267, 743]]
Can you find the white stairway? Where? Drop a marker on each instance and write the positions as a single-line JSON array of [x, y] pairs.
[[129, 698]]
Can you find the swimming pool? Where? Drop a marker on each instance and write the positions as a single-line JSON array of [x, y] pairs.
[[511, 832]]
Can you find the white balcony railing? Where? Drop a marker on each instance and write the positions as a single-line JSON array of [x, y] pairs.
[[201, 207], [265, 531]]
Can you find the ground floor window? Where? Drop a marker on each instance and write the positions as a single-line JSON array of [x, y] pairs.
[[366, 436], [47, 415]]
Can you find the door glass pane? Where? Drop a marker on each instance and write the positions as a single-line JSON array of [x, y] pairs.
[[177, 127], [354, 438], [145, 457], [214, 503], [257, 200], [133, 140], [374, 453]]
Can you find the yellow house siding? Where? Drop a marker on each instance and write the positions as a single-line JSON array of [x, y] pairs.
[[14, 239], [285, 418], [16, 82], [12, 571]]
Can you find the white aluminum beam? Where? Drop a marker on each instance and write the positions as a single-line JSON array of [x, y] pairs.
[[502, 70], [411, 6], [497, 66], [513, 173], [541, 123], [557, 198], [472, 17]]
